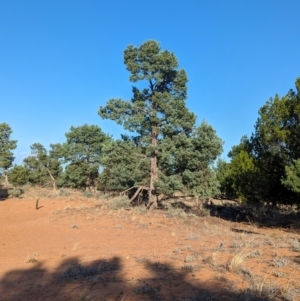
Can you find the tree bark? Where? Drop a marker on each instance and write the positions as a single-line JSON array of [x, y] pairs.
[[136, 193], [153, 161], [52, 180], [153, 172], [88, 183], [6, 179]]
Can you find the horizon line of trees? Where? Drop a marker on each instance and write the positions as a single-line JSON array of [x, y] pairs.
[[167, 151]]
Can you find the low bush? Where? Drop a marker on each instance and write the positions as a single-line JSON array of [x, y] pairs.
[[63, 192], [119, 202], [88, 194], [15, 193]]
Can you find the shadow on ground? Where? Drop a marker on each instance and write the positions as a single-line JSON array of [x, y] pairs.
[[261, 216], [104, 280]]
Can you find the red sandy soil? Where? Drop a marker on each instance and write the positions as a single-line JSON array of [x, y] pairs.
[[81, 250]]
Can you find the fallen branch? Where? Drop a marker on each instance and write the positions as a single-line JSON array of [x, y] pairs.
[[138, 191], [122, 193]]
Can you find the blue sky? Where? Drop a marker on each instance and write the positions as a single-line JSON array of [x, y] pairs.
[[62, 59]]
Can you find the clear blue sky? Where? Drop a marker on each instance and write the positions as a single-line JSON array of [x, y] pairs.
[[62, 59]]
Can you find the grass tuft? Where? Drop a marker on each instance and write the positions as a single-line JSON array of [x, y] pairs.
[[280, 262], [235, 264]]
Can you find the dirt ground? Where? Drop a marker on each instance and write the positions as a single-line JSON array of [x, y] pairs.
[[79, 249]]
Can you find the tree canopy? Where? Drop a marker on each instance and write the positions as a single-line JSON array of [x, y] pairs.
[[265, 167], [82, 153], [42, 166], [18, 175], [6, 147], [164, 150], [178, 152]]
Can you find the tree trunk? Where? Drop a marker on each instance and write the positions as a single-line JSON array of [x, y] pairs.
[[6, 179], [52, 180], [154, 142], [153, 173], [88, 183]]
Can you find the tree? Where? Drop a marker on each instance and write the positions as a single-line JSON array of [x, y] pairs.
[[226, 178], [292, 178], [6, 147], [82, 152], [42, 166], [276, 142], [185, 162], [18, 175], [124, 165], [264, 166], [246, 177], [163, 125]]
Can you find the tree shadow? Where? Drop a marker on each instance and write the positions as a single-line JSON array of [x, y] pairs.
[[104, 280], [66, 282], [185, 288], [261, 217], [3, 193]]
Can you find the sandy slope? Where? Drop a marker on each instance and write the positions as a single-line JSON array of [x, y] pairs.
[[80, 250]]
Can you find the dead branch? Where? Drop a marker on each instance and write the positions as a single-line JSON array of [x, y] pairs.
[[122, 193], [138, 191]]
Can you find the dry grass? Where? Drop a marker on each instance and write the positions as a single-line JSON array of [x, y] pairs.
[[235, 264], [83, 296], [118, 203], [31, 258], [260, 257]]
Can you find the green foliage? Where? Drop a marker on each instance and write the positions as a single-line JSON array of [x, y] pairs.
[[75, 175], [226, 179], [43, 168], [276, 143], [246, 177], [264, 168], [18, 175], [185, 161], [82, 152], [240, 178], [244, 145], [125, 165], [174, 153], [292, 179], [15, 193], [6, 147]]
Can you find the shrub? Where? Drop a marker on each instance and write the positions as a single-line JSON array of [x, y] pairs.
[[178, 212], [63, 192], [119, 202], [87, 194], [15, 193]]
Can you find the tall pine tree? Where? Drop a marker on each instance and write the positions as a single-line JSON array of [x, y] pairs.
[[179, 154]]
